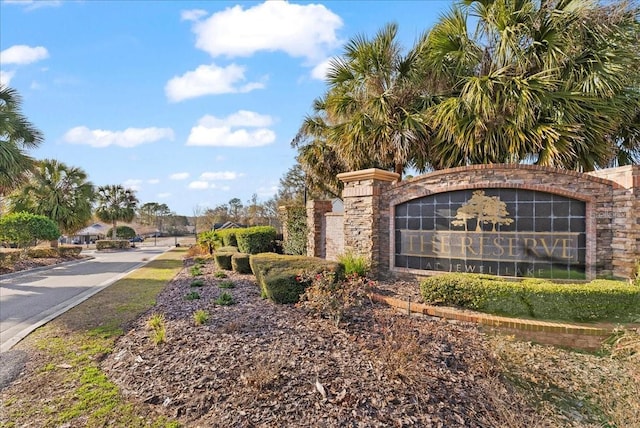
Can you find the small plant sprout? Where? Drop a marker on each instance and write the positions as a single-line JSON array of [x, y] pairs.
[[200, 317], [225, 299], [196, 270], [197, 283], [158, 333], [194, 295], [220, 274], [226, 284]]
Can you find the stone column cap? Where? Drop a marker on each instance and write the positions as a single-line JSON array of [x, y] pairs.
[[368, 174]]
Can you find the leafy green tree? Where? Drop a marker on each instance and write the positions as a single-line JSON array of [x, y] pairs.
[[59, 192], [154, 213], [26, 229], [550, 82], [235, 209], [123, 232], [115, 203], [17, 135]]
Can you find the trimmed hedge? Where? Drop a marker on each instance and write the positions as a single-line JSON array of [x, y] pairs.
[[69, 250], [228, 237], [223, 260], [228, 250], [42, 253], [9, 257], [279, 275], [108, 244], [240, 263], [599, 300], [255, 240]]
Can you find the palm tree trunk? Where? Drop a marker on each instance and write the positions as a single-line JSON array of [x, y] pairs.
[[113, 233], [398, 170]]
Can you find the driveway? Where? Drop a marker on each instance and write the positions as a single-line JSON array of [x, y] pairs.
[[31, 299]]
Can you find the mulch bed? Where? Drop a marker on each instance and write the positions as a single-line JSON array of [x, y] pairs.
[[259, 364], [30, 263]]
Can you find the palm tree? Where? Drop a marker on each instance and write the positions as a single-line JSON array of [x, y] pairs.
[[371, 114], [17, 134], [59, 192], [115, 203], [550, 82]]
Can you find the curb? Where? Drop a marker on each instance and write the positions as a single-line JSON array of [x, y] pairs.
[[43, 268]]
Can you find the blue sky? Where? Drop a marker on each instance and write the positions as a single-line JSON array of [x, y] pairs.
[[190, 103]]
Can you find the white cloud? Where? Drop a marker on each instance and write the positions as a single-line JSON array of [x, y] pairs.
[[217, 132], [130, 137], [133, 184], [306, 31], [6, 76], [220, 175], [319, 72], [23, 54], [163, 195], [209, 80], [153, 181], [179, 176], [192, 15], [199, 185], [267, 192], [35, 4]]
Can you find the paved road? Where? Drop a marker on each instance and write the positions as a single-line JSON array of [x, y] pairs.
[[32, 299]]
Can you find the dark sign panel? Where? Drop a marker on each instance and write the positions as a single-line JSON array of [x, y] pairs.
[[510, 232]]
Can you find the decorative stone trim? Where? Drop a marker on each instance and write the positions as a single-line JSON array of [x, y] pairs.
[[368, 174]]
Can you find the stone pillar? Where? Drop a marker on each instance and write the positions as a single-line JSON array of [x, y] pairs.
[[366, 225], [316, 229], [624, 216]]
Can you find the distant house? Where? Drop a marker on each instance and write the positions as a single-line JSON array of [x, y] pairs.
[[227, 225], [90, 234]]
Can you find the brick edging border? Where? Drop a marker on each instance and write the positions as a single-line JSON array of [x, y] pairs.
[[492, 321]]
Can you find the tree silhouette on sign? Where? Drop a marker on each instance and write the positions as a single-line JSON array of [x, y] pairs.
[[485, 209]]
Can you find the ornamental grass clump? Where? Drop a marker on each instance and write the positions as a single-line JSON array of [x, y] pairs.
[[157, 327], [225, 299], [354, 264], [226, 284], [200, 317], [332, 298]]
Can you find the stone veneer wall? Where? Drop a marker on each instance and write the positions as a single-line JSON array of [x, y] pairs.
[[334, 235], [316, 227]]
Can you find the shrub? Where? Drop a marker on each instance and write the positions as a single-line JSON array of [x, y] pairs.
[[227, 250], [279, 275], [42, 253], [255, 240], [240, 263], [209, 240], [223, 260], [26, 229], [636, 280], [107, 244], [599, 300], [9, 257], [200, 317], [228, 237], [194, 295], [334, 298], [197, 283], [197, 250], [296, 226], [354, 264], [226, 284], [122, 232], [225, 299], [69, 250]]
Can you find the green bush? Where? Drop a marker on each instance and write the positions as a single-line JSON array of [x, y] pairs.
[[209, 239], [69, 250], [223, 260], [225, 299], [256, 240], [599, 300], [240, 263], [122, 232], [228, 249], [228, 237], [108, 244], [281, 276], [354, 264], [26, 229], [42, 253]]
